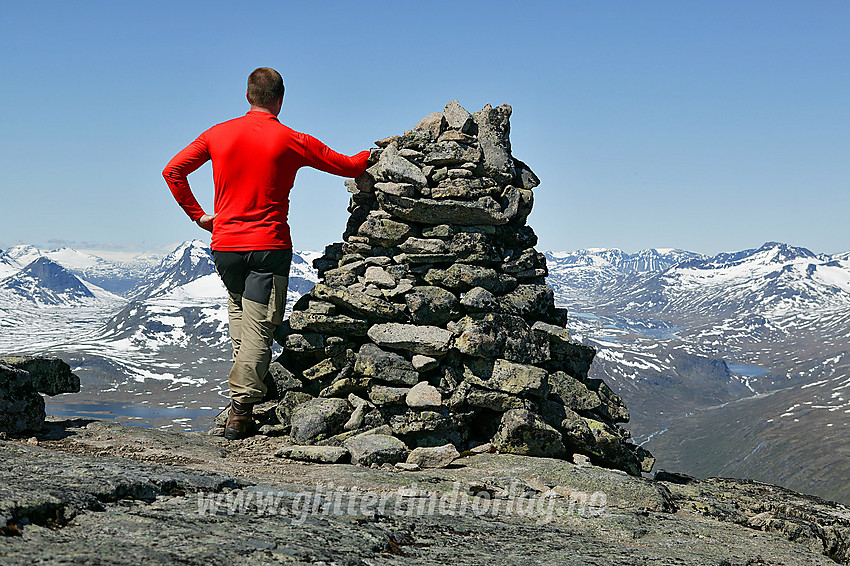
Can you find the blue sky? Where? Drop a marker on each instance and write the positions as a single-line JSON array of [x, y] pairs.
[[709, 126]]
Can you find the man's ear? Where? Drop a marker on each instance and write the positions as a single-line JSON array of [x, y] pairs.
[[248, 98]]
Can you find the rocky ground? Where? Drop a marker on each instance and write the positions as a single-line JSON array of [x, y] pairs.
[[91, 492]]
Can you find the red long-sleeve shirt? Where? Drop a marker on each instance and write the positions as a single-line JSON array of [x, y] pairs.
[[254, 160]]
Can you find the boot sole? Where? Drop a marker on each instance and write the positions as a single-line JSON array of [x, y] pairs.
[[231, 434]]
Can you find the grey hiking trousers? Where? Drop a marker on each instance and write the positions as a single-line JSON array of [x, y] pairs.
[[256, 283]]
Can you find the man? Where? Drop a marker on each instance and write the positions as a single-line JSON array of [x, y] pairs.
[[254, 160]]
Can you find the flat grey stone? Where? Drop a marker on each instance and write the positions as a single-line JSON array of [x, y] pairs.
[[328, 324], [385, 395], [494, 130], [398, 189], [508, 377], [424, 363], [434, 123], [318, 454], [431, 305], [362, 304], [427, 340], [368, 449], [433, 457], [423, 395], [484, 210], [379, 276], [383, 231], [392, 167]]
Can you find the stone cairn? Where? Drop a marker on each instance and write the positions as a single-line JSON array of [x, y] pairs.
[[432, 327]]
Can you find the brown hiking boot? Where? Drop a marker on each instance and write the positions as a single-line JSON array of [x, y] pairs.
[[240, 421]]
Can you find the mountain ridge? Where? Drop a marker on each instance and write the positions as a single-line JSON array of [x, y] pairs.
[[665, 323]]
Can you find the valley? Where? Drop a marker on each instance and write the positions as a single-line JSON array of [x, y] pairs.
[[733, 365]]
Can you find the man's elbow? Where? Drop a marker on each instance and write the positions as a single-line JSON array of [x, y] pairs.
[[171, 175]]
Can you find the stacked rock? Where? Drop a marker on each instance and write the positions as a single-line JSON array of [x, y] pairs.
[[22, 378], [432, 322]]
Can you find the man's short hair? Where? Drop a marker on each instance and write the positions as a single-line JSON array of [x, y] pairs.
[[265, 87]]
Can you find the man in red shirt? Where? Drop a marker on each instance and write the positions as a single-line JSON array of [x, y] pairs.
[[254, 159]]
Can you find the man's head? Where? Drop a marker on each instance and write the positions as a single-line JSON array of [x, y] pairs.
[[265, 89]]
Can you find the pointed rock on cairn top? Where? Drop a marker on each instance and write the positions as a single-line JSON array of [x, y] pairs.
[[433, 322]]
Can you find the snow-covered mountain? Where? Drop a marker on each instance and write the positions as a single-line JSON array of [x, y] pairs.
[[116, 272], [190, 261], [45, 282], [178, 303], [22, 255], [677, 333], [721, 357]]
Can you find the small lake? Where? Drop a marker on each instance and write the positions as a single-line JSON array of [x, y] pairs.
[[584, 315], [142, 415], [747, 369]]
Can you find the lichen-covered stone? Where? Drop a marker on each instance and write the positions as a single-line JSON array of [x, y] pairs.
[[303, 343], [318, 419], [434, 123], [493, 400], [385, 395], [494, 130], [424, 246], [380, 277], [279, 380], [484, 210], [430, 305], [427, 340], [318, 454], [328, 324], [610, 447], [359, 303], [612, 406], [287, 404], [479, 299], [372, 361], [344, 386], [392, 167], [451, 153], [463, 277], [508, 377], [457, 117], [492, 335], [321, 370], [368, 449], [523, 432], [572, 392], [528, 301], [383, 231]]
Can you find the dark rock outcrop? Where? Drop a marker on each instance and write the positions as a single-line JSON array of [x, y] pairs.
[[22, 378], [106, 493]]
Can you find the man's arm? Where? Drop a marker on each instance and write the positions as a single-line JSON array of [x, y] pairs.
[[176, 172], [323, 158]]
